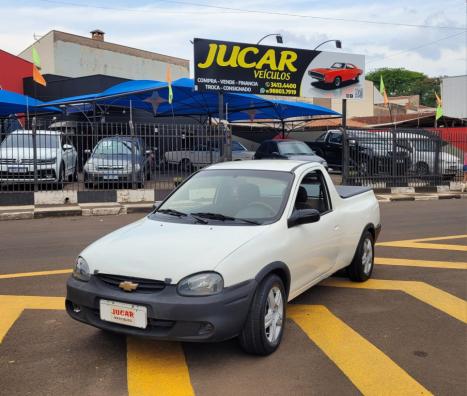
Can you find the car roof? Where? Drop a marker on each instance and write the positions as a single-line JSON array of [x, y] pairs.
[[273, 165], [281, 140]]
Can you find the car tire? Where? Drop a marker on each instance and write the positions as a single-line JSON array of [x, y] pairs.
[[337, 82], [422, 168], [357, 78], [185, 165], [363, 262], [269, 301], [61, 176]]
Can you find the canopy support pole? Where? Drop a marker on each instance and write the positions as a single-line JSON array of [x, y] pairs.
[[283, 129]]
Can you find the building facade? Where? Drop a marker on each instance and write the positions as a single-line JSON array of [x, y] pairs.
[[454, 96], [12, 72], [70, 55]]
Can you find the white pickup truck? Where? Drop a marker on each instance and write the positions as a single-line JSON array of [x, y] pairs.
[[222, 255], [202, 155]]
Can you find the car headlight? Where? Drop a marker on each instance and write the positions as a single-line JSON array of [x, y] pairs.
[[202, 284], [89, 166], [81, 270]]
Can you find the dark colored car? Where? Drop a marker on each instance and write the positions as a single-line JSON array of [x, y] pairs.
[[287, 149], [118, 159], [368, 153]]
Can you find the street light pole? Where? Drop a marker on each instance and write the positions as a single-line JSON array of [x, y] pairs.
[[279, 38], [338, 44]]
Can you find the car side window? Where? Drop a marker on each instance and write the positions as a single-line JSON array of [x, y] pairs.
[[322, 137], [273, 148], [262, 148], [335, 137], [313, 193], [349, 66], [236, 146]]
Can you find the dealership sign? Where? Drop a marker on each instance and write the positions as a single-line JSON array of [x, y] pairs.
[[258, 69]]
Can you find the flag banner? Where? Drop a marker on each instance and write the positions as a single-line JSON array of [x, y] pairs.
[[168, 78], [36, 58], [37, 76], [382, 90], [230, 67], [439, 107]]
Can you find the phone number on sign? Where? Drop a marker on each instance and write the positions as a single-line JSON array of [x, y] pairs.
[[281, 91]]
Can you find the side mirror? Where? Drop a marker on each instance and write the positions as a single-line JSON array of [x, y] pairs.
[[67, 147], [303, 216]]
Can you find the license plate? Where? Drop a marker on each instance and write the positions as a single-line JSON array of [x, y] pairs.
[[17, 169], [110, 177], [124, 314]]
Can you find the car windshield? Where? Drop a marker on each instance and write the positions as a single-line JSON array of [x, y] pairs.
[[24, 140], [114, 147], [337, 65], [294, 148], [229, 196]]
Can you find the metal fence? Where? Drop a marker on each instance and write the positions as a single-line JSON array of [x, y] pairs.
[[48, 155], [403, 157]]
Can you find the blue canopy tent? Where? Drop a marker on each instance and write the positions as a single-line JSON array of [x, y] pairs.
[[152, 96], [15, 103]]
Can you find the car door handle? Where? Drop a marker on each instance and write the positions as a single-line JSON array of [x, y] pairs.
[[336, 228]]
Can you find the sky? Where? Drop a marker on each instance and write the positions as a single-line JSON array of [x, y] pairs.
[[439, 47]]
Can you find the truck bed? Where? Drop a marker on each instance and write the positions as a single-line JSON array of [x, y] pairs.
[[351, 191]]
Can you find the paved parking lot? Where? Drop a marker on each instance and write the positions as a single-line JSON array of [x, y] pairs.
[[401, 333]]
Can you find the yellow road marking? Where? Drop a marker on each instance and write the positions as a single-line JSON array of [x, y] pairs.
[[11, 308], [369, 369], [421, 243], [39, 273], [420, 263], [157, 368], [437, 298]]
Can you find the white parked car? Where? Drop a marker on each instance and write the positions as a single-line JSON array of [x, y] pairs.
[[423, 154], [222, 255], [202, 155], [55, 156]]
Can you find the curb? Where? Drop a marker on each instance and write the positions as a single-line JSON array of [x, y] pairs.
[[114, 209]]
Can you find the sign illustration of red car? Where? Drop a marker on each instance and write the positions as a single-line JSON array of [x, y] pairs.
[[338, 73]]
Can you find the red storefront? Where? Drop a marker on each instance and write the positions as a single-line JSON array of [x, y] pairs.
[[12, 71]]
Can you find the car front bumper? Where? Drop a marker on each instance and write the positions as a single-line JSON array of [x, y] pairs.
[[170, 315]]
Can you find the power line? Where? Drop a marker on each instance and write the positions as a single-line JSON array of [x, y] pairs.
[[262, 12], [415, 48]]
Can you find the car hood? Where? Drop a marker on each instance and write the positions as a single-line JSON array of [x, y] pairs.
[[159, 250], [449, 157], [27, 153], [306, 157], [321, 70]]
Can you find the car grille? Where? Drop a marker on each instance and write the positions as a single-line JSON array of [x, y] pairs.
[[317, 75], [144, 285], [110, 167]]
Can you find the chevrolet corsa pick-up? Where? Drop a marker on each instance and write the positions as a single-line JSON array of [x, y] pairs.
[[224, 253]]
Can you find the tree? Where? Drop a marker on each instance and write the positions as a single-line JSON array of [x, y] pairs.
[[402, 82]]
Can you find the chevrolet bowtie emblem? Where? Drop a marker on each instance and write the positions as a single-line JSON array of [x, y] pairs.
[[128, 286]]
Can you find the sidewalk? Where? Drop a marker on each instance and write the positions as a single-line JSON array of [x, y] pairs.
[[114, 208]]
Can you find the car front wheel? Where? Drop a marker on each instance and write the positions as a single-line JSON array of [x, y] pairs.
[[263, 329]]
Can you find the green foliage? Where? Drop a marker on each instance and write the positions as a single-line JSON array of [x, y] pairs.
[[402, 82]]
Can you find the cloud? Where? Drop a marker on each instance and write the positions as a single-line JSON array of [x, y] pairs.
[[167, 27]]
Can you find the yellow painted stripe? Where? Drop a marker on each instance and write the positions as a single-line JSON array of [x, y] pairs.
[[369, 369], [157, 368], [11, 308], [440, 238], [437, 298], [419, 245], [426, 243], [40, 273], [420, 263]]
